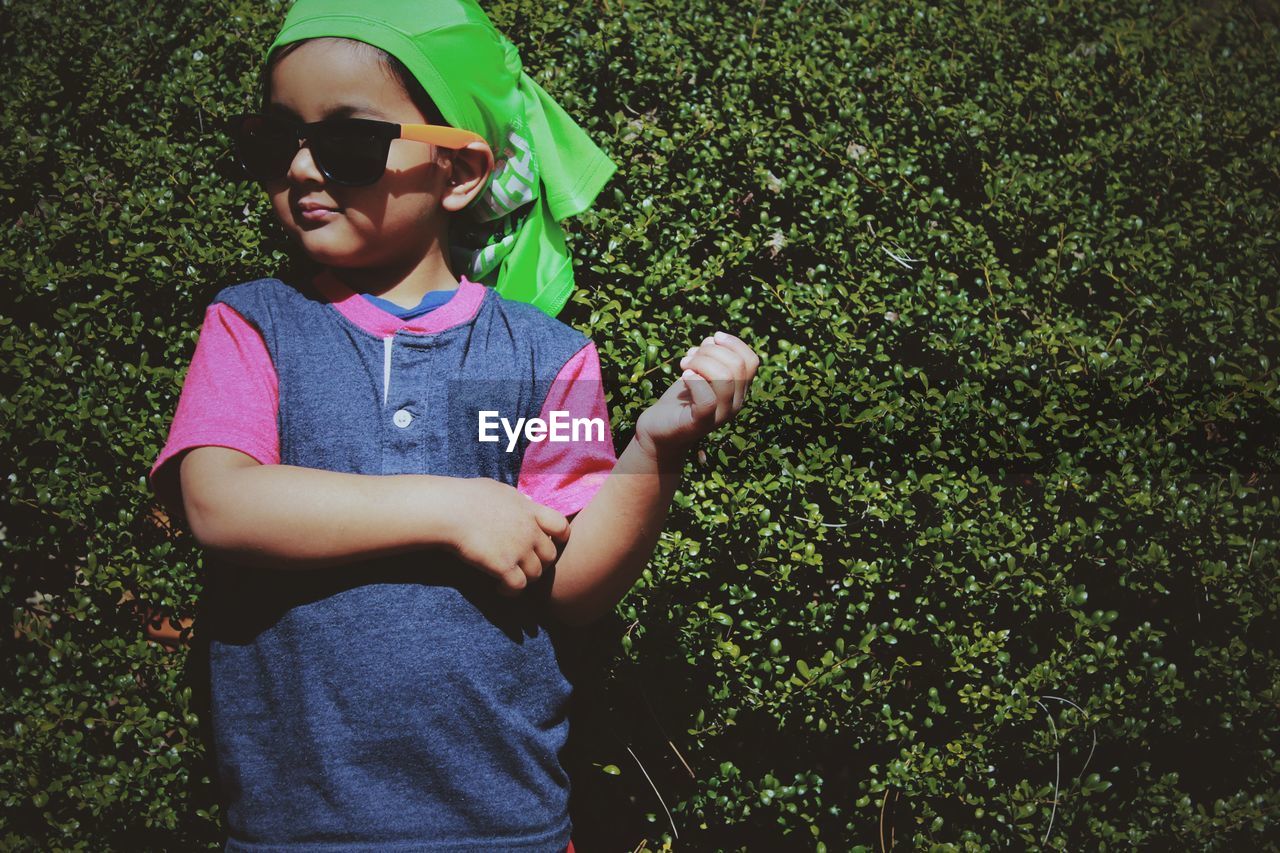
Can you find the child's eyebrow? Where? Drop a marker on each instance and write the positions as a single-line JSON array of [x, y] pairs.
[[341, 111]]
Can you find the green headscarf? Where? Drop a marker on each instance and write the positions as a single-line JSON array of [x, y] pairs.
[[546, 168]]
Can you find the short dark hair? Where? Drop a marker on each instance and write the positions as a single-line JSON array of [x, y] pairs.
[[393, 66]]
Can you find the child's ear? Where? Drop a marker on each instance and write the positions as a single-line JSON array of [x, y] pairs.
[[469, 170]]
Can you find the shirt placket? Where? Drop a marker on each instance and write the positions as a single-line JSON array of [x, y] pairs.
[[402, 413]]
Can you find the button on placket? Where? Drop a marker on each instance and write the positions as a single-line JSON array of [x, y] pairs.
[[403, 417], [406, 432]]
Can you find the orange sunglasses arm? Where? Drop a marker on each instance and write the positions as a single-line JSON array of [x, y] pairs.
[[445, 137]]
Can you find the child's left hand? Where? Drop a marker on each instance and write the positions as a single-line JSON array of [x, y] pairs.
[[709, 393]]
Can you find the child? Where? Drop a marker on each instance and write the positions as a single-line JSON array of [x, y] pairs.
[[386, 589]]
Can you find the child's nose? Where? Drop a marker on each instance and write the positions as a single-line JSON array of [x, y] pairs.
[[304, 165]]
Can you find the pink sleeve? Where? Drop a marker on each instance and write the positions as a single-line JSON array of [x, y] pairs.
[[229, 398], [565, 475]]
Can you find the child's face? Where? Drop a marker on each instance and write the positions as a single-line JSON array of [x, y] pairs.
[[400, 218]]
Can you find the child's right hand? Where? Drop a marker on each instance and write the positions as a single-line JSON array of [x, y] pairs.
[[505, 533]]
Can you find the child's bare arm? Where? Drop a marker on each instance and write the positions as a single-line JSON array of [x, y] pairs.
[[614, 535], [285, 516]]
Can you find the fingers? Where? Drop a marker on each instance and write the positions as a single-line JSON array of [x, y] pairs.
[[553, 523], [722, 368], [701, 392], [513, 581], [744, 367], [728, 365], [550, 535], [750, 363], [546, 550], [750, 359], [530, 567]]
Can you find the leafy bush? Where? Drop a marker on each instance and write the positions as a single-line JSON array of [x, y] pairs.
[[988, 559]]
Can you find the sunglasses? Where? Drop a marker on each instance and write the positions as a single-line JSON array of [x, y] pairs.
[[350, 152]]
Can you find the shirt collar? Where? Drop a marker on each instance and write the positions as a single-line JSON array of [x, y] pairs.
[[460, 309]]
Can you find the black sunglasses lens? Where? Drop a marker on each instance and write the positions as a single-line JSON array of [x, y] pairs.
[[343, 151], [265, 147], [349, 155]]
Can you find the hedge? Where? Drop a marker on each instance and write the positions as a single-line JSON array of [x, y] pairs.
[[988, 560]]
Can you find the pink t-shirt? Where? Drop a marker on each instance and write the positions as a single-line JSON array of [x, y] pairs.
[[230, 399]]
